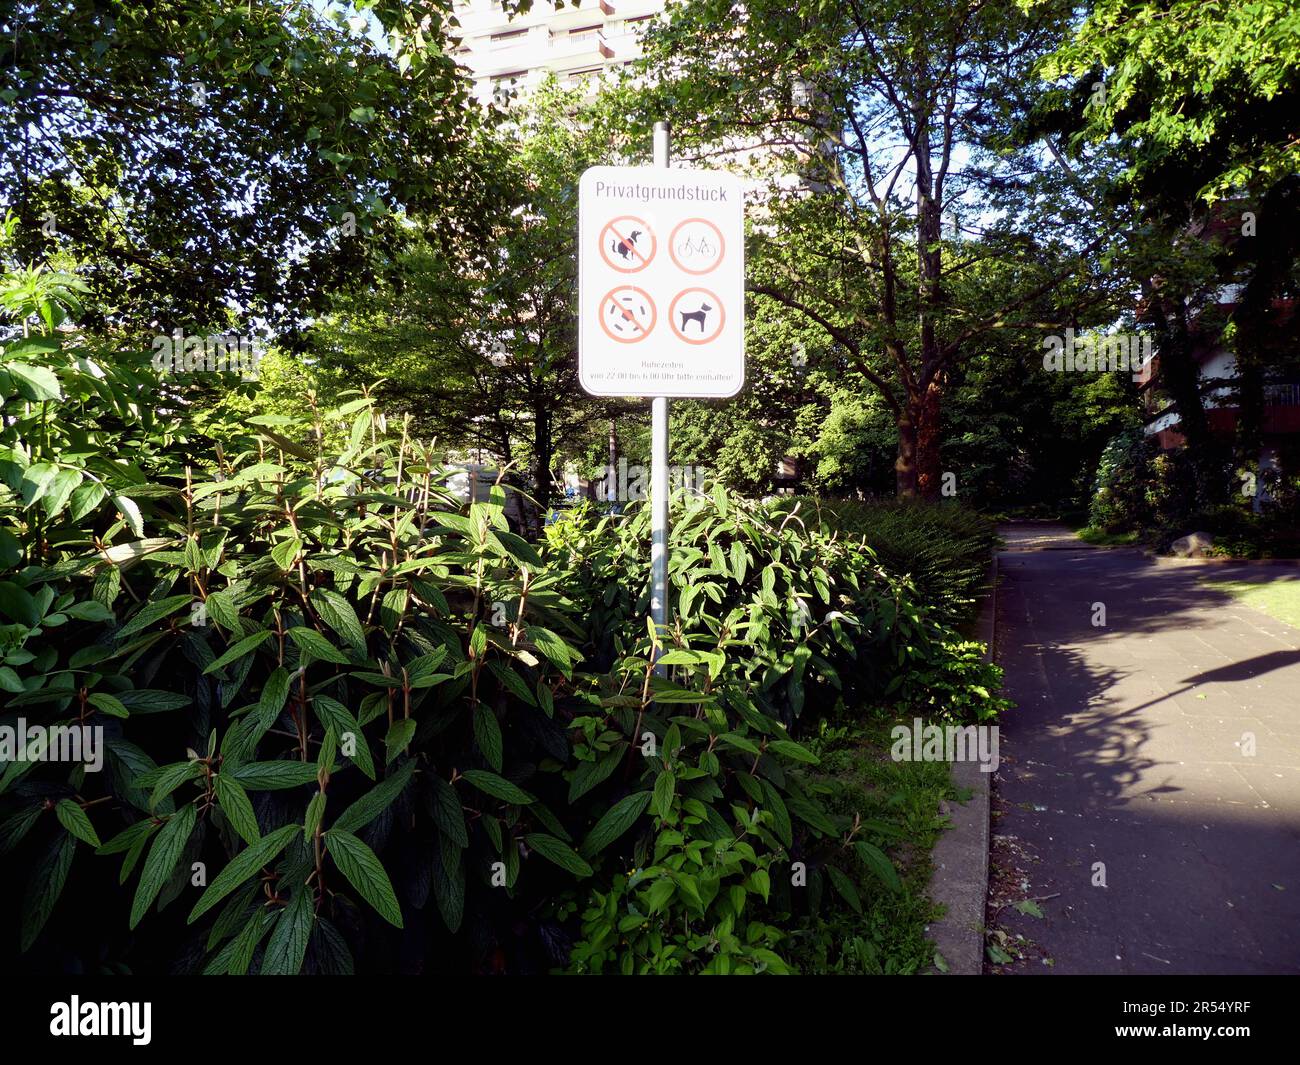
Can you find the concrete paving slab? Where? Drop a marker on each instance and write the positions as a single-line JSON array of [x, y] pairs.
[[1125, 750]]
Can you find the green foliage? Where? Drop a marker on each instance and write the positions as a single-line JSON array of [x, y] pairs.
[[795, 614], [1120, 500], [207, 154], [892, 807], [942, 548], [358, 707], [1201, 93]]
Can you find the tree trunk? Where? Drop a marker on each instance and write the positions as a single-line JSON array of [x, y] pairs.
[[1180, 375], [929, 467], [905, 464]]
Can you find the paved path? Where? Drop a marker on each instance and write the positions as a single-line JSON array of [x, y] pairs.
[[1126, 749]]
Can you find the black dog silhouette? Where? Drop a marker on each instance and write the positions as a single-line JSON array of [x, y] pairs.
[[625, 248], [697, 316]]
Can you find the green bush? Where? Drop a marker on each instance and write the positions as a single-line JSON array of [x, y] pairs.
[[356, 727], [943, 548], [1122, 499]]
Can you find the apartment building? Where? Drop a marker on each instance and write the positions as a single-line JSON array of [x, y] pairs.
[[575, 43]]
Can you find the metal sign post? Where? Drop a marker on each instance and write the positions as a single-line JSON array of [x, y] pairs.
[[661, 304], [659, 476]]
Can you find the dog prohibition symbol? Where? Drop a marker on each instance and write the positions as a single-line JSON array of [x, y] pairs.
[[695, 316], [624, 248]]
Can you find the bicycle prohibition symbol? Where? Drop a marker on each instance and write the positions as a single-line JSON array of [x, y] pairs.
[[696, 246]]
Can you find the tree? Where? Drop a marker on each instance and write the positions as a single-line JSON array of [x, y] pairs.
[[892, 112], [478, 340], [1201, 98], [203, 155]]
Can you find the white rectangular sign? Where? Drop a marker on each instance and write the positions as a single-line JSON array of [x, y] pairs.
[[661, 282]]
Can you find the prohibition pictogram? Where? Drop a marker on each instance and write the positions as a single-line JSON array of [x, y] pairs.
[[627, 314], [696, 315], [696, 245], [627, 244]]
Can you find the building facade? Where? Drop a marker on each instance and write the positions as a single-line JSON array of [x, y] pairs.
[[576, 42]]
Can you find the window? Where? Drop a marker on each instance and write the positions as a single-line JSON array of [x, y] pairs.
[[508, 39]]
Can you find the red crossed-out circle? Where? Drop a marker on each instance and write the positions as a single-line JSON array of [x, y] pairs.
[[617, 232], [672, 246], [642, 331], [715, 304]]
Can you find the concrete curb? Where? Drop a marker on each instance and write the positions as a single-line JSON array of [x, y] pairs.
[[960, 882]]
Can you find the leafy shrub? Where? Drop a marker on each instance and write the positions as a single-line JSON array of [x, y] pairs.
[[943, 548], [1121, 495], [355, 705], [335, 705], [795, 615]]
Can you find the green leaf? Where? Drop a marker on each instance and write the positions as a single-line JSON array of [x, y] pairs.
[[107, 704], [287, 946], [363, 871], [13, 829], [35, 382], [338, 614], [878, 862], [275, 692], [513, 681], [234, 803], [617, 820], [59, 490], [130, 514], [166, 851], [448, 812], [375, 801], [560, 653], [238, 650], [793, 750], [44, 888], [497, 787], [11, 550], [242, 866], [487, 735], [152, 612], [17, 603], [85, 499], [244, 946], [845, 887], [166, 779], [665, 789], [222, 610], [273, 776], [284, 552], [449, 886], [399, 736], [151, 700], [559, 852], [315, 812], [90, 610], [72, 817], [312, 643], [589, 774]]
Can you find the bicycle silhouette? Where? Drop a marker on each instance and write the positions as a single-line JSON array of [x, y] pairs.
[[702, 247]]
